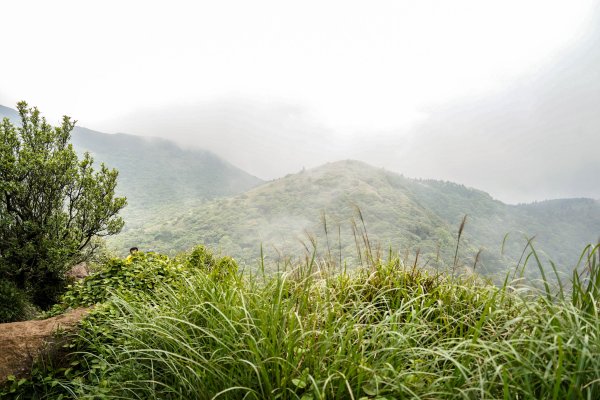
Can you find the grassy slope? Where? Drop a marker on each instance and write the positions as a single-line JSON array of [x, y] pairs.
[[280, 213], [382, 331]]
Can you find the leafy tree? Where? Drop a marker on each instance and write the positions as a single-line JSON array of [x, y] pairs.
[[53, 206]]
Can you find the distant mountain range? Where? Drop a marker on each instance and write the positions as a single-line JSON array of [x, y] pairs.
[[155, 172], [182, 197], [7, 112]]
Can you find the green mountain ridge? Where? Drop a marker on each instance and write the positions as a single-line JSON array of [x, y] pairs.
[[155, 172], [399, 213]]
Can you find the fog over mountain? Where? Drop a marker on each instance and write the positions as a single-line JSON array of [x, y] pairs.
[[402, 214], [499, 96], [267, 139], [154, 172], [535, 138]]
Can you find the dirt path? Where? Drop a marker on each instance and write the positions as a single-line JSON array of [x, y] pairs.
[[21, 342]]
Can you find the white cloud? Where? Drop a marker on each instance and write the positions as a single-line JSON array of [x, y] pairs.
[[358, 64], [277, 85]]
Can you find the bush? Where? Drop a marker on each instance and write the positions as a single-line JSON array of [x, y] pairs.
[[140, 272], [202, 259], [52, 205], [14, 305], [143, 273]]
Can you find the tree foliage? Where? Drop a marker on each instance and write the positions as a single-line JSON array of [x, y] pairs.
[[52, 205]]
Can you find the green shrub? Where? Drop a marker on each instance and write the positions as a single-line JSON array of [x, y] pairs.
[[200, 257], [14, 305], [143, 273], [139, 272]]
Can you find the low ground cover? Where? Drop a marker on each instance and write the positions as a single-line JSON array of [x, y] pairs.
[[382, 331]]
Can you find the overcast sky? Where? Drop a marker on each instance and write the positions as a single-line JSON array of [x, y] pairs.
[[503, 96]]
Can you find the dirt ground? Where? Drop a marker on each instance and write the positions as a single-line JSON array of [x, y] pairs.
[[21, 342]]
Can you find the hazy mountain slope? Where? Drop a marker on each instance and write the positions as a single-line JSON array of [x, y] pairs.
[[280, 213], [172, 194], [154, 173], [9, 113], [403, 213], [560, 226]]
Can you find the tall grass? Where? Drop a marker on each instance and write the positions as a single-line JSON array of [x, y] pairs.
[[382, 331]]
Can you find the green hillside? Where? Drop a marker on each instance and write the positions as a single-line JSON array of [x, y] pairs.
[[559, 228], [399, 213], [283, 213], [9, 113], [154, 173]]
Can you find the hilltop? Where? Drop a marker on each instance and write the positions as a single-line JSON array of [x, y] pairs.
[[156, 173], [399, 213]]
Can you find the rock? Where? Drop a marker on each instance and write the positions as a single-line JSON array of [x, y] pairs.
[[79, 271], [22, 342]]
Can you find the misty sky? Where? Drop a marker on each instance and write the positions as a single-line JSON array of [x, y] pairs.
[[503, 96]]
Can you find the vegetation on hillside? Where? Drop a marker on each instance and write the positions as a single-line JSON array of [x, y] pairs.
[[157, 174], [380, 308], [403, 214], [313, 331]]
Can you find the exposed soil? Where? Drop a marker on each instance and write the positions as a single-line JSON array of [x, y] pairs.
[[22, 342]]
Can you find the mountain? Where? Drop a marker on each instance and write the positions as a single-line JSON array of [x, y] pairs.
[[13, 115], [560, 228], [154, 173], [178, 198], [281, 212], [398, 213]]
